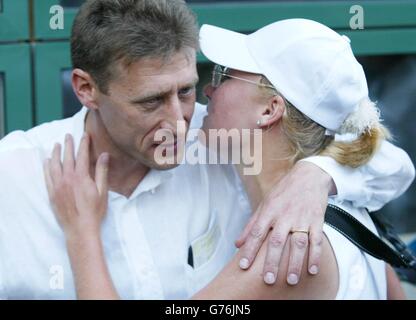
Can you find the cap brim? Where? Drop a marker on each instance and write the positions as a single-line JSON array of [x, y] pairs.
[[227, 48]]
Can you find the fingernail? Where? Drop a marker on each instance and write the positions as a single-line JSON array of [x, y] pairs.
[[244, 263], [67, 137], [292, 279], [313, 270], [269, 278], [105, 157]]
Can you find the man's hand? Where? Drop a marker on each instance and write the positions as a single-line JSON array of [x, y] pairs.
[[297, 203], [79, 201]]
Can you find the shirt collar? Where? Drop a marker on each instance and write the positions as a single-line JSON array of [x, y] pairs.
[[151, 181]]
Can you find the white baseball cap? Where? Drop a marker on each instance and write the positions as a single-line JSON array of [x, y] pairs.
[[312, 66]]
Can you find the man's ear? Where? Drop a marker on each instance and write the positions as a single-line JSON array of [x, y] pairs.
[[85, 88], [273, 112]]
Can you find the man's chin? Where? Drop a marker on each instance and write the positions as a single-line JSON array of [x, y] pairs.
[[166, 163], [165, 167]]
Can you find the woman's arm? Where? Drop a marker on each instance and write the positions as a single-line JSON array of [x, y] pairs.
[[92, 279], [385, 177], [80, 204]]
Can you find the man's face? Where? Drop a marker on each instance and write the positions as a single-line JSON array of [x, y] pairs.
[[149, 95]]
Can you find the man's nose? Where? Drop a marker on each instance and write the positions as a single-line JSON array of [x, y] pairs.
[[174, 113], [175, 110]]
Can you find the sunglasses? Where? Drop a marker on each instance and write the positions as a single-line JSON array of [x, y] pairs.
[[219, 74]]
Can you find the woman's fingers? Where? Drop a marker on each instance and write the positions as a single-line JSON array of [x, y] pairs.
[[55, 165], [48, 178], [101, 173], [69, 161], [83, 157], [79, 201]]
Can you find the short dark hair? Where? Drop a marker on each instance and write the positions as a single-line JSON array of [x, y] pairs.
[[107, 31]]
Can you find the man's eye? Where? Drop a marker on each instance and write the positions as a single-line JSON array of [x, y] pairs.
[[152, 102], [186, 91]]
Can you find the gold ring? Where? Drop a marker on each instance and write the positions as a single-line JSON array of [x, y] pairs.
[[303, 231]]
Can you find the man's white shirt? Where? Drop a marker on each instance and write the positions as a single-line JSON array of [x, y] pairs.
[[190, 215]]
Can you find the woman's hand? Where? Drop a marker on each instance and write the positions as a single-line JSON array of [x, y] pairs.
[[297, 202], [80, 204], [78, 200]]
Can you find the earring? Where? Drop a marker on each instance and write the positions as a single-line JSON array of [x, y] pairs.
[[259, 122]]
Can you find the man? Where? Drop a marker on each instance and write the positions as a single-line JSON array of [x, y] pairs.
[[134, 71]]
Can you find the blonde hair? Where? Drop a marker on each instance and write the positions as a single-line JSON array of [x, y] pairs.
[[307, 138]]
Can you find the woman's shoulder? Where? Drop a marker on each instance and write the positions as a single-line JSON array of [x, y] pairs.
[[232, 282]]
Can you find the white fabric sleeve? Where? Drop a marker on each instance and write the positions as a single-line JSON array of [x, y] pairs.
[[384, 178]]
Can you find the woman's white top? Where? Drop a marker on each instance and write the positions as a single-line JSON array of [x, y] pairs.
[[361, 276]]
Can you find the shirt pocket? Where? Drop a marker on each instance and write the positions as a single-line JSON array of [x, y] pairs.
[[210, 252]]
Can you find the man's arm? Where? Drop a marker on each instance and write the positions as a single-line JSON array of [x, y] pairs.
[[298, 202], [384, 178]]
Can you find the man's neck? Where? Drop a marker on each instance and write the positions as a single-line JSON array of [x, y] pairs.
[[125, 172]]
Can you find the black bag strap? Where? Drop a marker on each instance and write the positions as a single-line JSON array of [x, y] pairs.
[[363, 238]]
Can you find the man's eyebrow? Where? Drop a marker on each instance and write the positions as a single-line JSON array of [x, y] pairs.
[[190, 84], [155, 95]]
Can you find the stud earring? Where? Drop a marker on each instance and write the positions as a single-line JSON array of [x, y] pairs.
[[258, 122]]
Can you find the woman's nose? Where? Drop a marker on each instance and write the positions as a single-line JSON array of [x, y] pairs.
[[208, 89]]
